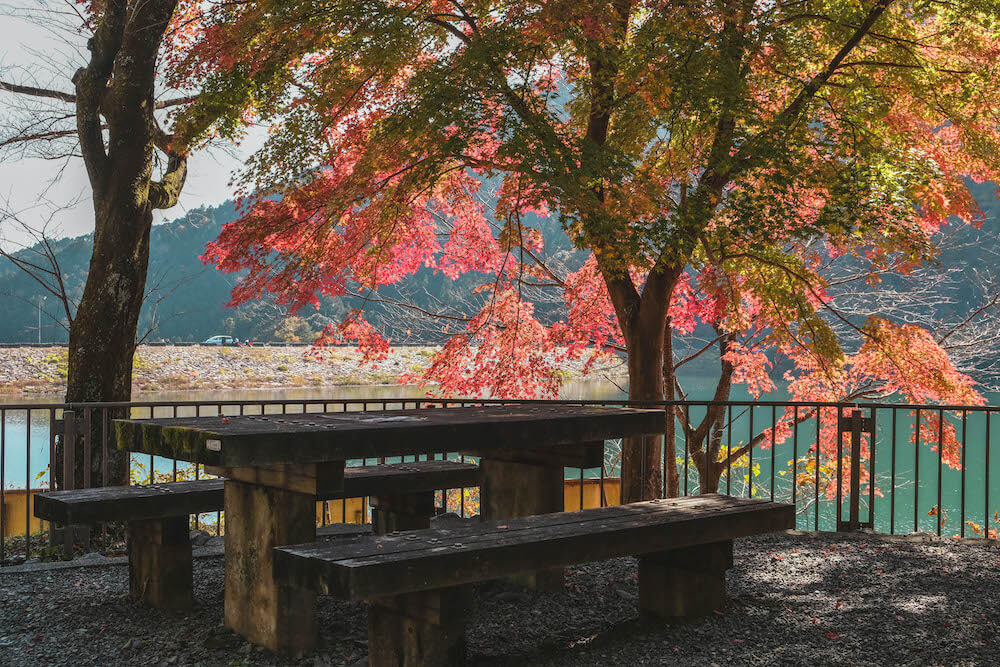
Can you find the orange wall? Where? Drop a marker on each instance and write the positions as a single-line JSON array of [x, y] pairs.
[[13, 512], [356, 510], [592, 493]]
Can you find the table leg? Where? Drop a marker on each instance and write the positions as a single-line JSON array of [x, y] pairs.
[[259, 518], [512, 489]]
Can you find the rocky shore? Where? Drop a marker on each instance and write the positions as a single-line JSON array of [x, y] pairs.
[[30, 370]]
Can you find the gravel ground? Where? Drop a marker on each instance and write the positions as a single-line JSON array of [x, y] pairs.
[[794, 599]]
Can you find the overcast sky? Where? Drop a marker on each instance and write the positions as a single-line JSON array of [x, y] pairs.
[[23, 49]]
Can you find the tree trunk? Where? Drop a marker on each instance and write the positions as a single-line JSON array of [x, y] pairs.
[[641, 459], [645, 322], [670, 435], [118, 134], [709, 471], [102, 338]]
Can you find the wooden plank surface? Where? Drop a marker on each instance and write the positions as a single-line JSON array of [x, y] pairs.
[[319, 437], [366, 567], [121, 503]]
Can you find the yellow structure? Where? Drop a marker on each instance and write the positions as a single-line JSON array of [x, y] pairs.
[[592, 493], [12, 512]]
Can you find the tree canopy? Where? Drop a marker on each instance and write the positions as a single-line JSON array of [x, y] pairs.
[[716, 159]]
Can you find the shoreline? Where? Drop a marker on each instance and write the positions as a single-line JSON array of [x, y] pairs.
[[34, 372]]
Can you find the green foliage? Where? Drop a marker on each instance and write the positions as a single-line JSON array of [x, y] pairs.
[[295, 329]]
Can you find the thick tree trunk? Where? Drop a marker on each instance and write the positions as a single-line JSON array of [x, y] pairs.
[[646, 320], [102, 338], [641, 459], [118, 135]]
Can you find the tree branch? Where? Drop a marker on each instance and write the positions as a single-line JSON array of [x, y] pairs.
[[790, 115], [165, 192], [70, 98], [37, 92]]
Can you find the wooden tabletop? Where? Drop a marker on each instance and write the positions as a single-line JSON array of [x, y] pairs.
[[253, 440]]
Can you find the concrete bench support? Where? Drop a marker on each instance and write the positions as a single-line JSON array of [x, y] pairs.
[[418, 629], [159, 559], [687, 582]]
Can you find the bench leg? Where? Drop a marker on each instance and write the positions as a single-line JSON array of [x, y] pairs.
[[259, 518], [410, 511], [159, 560], [419, 629], [686, 582], [511, 489]]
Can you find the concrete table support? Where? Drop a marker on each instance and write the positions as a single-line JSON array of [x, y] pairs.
[[259, 518], [513, 489], [402, 511]]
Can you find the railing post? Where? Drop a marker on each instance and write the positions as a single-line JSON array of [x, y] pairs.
[[69, 450], [856, 424], [70, 533], [87, 455]]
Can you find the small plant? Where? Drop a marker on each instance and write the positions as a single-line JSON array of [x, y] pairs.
[[56, 364], [141, 364]]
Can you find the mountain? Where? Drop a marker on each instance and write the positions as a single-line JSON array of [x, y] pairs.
[[187, 300]]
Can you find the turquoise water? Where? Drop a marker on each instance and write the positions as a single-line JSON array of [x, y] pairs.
[[915, 477]]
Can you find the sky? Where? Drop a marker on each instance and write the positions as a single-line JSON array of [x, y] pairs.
[[24, 48]]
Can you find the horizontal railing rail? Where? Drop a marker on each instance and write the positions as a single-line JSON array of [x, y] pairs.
[[887, 467]]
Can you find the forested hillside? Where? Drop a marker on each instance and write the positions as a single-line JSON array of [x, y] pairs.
[[187, 300]]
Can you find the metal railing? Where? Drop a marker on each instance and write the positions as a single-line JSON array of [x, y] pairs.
[[888, 467]]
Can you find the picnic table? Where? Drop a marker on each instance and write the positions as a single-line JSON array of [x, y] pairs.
[[276, 465]]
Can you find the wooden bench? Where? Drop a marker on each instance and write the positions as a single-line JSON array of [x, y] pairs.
[[415, 582], [157, 515]]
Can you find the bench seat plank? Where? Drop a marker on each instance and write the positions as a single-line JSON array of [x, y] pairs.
[[430, 559], [157, 501], [489, 531]]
